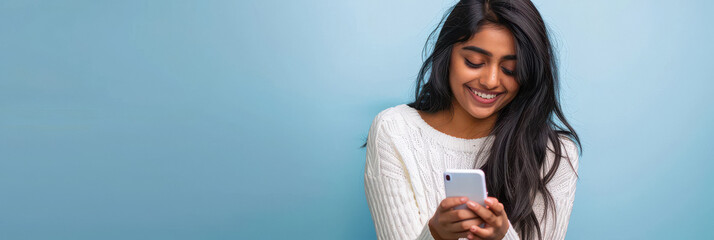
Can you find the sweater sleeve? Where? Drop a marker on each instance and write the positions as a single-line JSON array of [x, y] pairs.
[[388, 189], [562, 188]]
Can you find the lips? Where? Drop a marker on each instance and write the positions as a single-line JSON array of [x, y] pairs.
[[485, 97], [483, 91]]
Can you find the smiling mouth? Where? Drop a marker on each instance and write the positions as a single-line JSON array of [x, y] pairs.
[[484, 94]]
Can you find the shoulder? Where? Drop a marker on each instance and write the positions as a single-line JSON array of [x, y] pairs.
[[568, 147], [391, 114], [568, 152], [387, 119], [382, 153]]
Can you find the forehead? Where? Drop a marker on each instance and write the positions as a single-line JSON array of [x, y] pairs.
[[496, 39]]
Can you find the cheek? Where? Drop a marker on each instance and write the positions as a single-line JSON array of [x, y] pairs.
[[459, 74], [456, 74], [511, 84], [512, 87]]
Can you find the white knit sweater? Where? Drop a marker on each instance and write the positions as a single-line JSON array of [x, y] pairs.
[[406, 158]]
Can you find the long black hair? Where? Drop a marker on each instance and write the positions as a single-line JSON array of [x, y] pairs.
[[525, 127]]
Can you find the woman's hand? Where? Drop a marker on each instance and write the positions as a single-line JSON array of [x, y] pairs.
[[449, 223], [495, 217]]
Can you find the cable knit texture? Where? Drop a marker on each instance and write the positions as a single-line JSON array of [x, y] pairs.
[[406, 159]]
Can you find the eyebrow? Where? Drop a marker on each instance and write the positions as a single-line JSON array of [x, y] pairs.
[[487, 53]]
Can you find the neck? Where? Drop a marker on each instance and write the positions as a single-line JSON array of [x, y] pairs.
[[462, 122], [459, 123]]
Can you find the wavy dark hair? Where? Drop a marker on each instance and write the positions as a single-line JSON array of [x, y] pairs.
[[525, 127]]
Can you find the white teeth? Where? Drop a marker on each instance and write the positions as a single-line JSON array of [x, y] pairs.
[[483, 95]]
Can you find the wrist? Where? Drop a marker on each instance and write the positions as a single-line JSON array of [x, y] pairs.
[[433, 231]]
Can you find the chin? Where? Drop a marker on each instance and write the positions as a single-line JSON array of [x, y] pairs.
[[481, 113]]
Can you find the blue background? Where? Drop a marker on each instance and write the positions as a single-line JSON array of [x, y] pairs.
[[241, 120]]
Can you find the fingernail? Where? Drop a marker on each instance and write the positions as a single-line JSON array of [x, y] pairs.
[[473, 228], [489, 201], [472, 203], [463, 199]]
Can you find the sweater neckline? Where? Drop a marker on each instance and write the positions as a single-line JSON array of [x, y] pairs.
[[461, 144]]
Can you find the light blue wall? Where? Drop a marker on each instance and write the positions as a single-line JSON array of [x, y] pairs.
[[242, 119]]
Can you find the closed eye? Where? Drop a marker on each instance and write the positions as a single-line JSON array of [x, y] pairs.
[[507, 72], [470, 64]]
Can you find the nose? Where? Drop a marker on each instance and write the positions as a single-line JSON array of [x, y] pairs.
[[490, 80]]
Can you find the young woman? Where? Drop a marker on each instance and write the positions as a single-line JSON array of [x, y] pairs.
[[490, 101]]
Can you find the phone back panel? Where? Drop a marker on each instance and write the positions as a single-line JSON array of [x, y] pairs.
[[470, 183]]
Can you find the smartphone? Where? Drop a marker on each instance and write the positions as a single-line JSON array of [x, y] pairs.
[[470, 183]]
